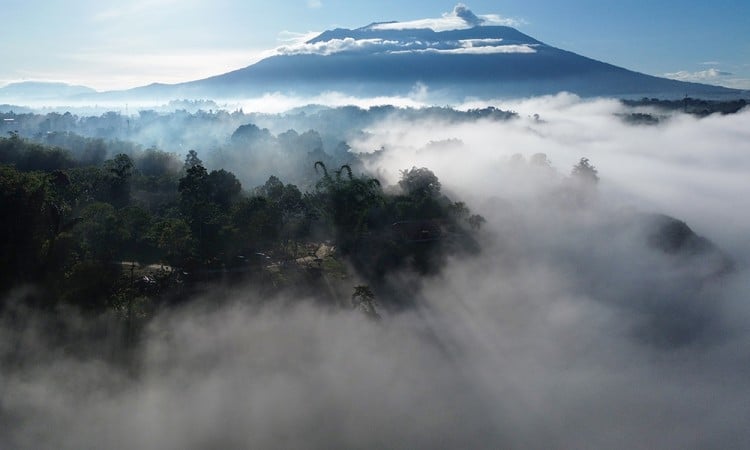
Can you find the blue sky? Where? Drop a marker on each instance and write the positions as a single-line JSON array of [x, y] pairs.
[[120, 44]]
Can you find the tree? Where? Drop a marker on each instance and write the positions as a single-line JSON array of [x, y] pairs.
[[94, 152], [194, 192], [175, 241], [273, 189], [345, 202], [585, 172], [155, 163], [584, 180], [364, 300], [26, 226], [420, 182], [119, 171], [257, 221], [224, 187], [459, 210], [192, 160], [101, 232], [250, 133], [476, 221]]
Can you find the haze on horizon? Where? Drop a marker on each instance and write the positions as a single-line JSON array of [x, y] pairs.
[[123, 45]]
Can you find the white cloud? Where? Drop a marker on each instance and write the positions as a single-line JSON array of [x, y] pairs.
[[458, 19], [314, 4], [736, 83], [295, 38], [377, 45], [700, 76], [483, 50], [333, 46], [711, 76], [479, 42], [276, 103]]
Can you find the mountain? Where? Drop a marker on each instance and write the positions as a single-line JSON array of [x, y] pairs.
[[42, 90], [457, 56]]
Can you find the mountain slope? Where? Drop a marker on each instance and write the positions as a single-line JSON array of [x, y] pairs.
[[390, 63], [457, 56]]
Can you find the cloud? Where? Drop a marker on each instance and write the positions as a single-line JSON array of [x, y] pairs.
[[632, 157], [712, 76], [480, 42], [700, 76], [334, 46], [736, 83], [566, 331], [377, 45], [460, 10], [292, 38], [460, 18], [277, 103], [470, 50], [314, 4]]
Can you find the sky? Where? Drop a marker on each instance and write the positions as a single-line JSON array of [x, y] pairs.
[[123, 44]]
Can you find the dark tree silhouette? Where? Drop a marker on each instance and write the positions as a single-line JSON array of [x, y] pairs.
[[192, 160], [585, 172]]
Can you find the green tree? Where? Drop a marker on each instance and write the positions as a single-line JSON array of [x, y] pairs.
[[224, 187], [289, 202], [101, 233], [195, 195], [119, 171], [273, 189], [175, 241], [420, 182], [345, 202], [257, 222], [26, 226]]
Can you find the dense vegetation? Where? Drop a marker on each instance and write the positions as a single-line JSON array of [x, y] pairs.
[[693, 106], [148, 229]]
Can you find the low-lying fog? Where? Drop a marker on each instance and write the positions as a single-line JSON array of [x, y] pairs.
[[567, 331]]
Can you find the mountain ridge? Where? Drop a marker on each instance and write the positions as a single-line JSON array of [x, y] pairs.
[[42, 90]]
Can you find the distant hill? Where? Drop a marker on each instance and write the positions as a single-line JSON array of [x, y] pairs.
[[42, 90]]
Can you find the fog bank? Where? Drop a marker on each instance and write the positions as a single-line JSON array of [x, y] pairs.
[[568, 330]]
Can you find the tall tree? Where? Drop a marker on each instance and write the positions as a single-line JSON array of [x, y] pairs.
[[119, 171]]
